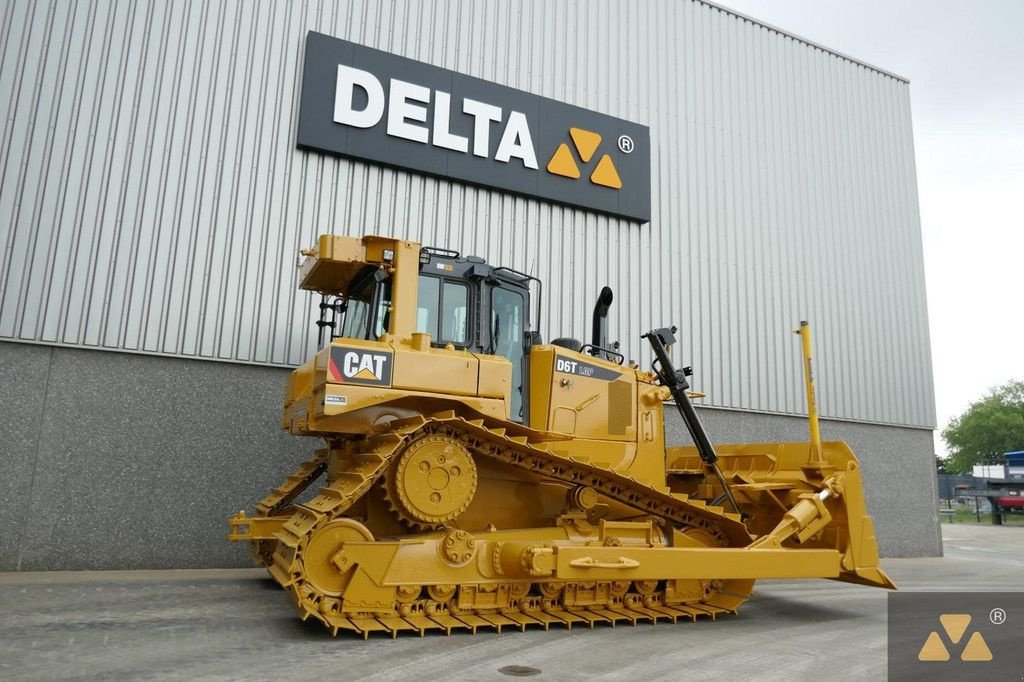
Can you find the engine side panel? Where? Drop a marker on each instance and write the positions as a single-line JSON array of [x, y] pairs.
[[581, 395]]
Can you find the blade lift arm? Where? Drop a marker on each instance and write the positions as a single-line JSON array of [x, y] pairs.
[[675, 381]]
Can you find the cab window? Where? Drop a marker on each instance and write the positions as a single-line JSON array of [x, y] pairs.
[[507, 326], [382, 321], [357, 311], [442, 310], [367, 307]]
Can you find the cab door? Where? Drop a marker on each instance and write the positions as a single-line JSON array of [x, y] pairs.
[[507, 327]]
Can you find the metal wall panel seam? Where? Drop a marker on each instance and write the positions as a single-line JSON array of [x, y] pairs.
[[131, 313], [6, 24], [915, 238], [170, 338], [212, 264], [228, 265], [914, 218], [865, 264], [72, 314], [902, 369], [101, 256], [113, 294], [193, 323], [828, 267], [831, 216], [912, 367], [46, 325], [851, 243], [153, 204], [245, 256], [266, 263], [843, 309], [16, 196], [292, 235], [10, 126], [29, 174], [36, 277]]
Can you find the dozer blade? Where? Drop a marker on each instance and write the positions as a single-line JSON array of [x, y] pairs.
[[792, 498]]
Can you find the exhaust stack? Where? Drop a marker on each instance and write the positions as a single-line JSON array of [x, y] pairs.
[[599, 330]]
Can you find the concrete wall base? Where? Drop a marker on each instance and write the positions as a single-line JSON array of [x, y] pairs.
[[120, 461]]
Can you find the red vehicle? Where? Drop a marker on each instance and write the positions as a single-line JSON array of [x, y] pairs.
[[1011, 500]]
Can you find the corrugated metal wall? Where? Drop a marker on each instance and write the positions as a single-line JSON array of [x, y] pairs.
[[152, 199]]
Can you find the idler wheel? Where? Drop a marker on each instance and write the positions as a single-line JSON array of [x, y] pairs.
[[321, 572]]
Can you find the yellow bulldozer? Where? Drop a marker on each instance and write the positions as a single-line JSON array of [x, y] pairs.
[[477, 477]]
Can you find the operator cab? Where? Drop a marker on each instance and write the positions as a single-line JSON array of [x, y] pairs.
[[462, 302], [474, 306]]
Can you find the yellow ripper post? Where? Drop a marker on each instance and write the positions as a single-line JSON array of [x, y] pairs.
[[812, 404]]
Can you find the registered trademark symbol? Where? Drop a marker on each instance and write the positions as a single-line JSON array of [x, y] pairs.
[[997, 616], [625, 144]]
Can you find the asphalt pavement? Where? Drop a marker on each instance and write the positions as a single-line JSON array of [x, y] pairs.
[[237, 624]]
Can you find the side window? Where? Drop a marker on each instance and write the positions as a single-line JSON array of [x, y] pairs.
[[442, 310], [368, 309], [427, 303], [507, 316], [357, 315], [383, 320], [454, 309]]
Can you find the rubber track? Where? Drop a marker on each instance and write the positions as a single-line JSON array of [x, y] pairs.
[[367, 466]]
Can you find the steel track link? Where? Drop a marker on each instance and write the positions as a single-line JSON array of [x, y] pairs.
[[518, 452], [262, 551], [368, 466], [283, 494], [633, 607]]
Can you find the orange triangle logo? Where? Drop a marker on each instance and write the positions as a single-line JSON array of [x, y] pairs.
[[562, 163], [933, 649], [605, 174], [586, 142], [976, 649], [955, 625], [366, 375]]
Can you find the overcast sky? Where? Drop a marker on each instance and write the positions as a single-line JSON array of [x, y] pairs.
[[965, 62]]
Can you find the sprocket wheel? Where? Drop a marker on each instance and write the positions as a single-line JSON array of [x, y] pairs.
[[432, 483]]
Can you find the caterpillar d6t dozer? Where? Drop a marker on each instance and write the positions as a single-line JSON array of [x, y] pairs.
[[477, 477]]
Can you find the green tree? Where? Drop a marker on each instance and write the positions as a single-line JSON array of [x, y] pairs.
[[989, 427]]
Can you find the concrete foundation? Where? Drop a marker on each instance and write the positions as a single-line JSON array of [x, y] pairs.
[[121, 461]]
